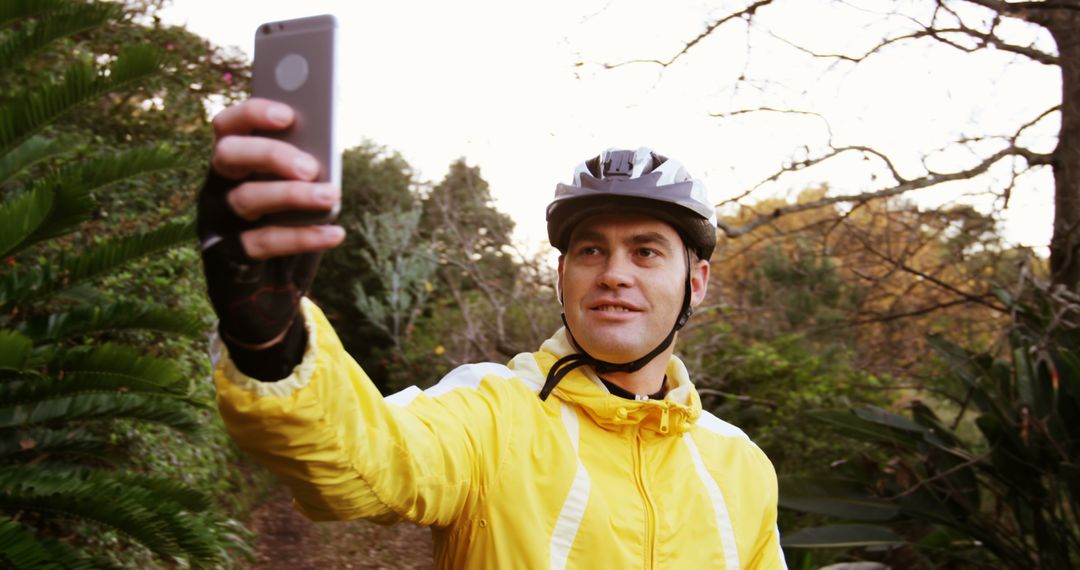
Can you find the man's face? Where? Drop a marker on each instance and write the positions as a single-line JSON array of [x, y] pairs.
[[622, 280]]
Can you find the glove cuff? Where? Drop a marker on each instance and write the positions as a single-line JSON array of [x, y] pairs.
[[275, 362]]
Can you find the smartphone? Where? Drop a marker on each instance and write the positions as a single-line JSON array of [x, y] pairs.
[[296, 63]]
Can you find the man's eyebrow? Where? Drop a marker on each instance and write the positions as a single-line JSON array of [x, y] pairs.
[[643, 238], [650, 238]]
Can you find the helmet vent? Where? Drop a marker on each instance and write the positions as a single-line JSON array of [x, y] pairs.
[[619, 163], [593, 165]]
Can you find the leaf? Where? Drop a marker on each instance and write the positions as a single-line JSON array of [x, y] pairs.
[[873, 425], [134, 505], [72, 186], [15, 350], [68, 20], [32, 151], [73, 405], [70, 270], [63, 443], [108, 365], [111, 317], [841, 536], [14, 10], [21, 216], [834, 497], [33, 110], [1024, 377], [20, 549]]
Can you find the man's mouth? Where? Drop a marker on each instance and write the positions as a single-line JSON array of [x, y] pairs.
[[612, 309]]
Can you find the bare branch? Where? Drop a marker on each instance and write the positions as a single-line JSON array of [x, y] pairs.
[[744, 14], [923, 275], [903, 185], [1035, 121]]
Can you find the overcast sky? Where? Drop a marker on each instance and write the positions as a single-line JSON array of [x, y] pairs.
[[519, 89]]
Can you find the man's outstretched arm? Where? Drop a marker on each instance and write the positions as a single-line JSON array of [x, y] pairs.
[[289, 393]]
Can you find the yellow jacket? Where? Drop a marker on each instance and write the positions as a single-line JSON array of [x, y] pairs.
[[583, 480]]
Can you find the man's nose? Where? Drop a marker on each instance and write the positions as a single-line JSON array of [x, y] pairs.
[[616, 273]]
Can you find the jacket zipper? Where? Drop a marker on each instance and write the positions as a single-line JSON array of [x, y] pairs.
[[650, 513]]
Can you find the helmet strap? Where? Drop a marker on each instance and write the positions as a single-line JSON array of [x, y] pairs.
[[570, 362]]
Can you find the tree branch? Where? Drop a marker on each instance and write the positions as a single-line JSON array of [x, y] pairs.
[[903, 185], [744, 14]]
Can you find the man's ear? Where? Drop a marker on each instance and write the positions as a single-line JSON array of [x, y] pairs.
[[699, 281], [558, 281]]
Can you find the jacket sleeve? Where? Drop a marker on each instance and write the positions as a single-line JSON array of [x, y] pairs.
[[767, 552], [347, 453]]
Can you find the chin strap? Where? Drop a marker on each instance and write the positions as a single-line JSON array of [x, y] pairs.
[[568, 363]]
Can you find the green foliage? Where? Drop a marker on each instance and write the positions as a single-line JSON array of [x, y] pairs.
[[502, 302], [70, 379], [1007, 496], [762, 385], [403, 268], [761, 373], [378, 188], [804, 289]]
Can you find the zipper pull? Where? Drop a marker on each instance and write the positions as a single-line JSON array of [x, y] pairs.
[[664, 420]]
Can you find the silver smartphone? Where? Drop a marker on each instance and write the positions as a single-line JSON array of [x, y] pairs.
[[296, 63]]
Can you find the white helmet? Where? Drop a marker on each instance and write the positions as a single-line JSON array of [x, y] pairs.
[[638, 181]]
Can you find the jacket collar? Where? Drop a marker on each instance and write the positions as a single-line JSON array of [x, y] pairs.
[[673, 415]]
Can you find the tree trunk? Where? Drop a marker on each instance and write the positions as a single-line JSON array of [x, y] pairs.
[[1064, 24]]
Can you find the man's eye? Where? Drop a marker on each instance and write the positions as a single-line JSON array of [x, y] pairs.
[[646, 252], [589, 250]]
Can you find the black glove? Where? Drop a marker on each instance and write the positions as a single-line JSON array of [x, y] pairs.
[[257, 301]]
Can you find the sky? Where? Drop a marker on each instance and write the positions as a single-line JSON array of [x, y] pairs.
[[520, 89]]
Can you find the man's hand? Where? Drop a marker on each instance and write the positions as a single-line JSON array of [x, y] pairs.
[[257, 274]]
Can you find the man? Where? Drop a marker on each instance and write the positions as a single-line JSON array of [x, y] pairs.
[[592, 452]]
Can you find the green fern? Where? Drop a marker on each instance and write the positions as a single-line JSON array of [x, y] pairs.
[[67, 444], [33, 151], [70, 270], [29, 113], [15, 350], [40, 408], [110, 317], [65, 21], [141, 511], [108, 365], [22, 216], [62, 387], [57, 203], [15, 10], [20, 549]]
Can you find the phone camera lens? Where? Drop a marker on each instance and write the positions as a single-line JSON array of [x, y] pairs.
[[266, 29]]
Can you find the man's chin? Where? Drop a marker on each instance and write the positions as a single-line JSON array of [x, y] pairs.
[[615, 352]]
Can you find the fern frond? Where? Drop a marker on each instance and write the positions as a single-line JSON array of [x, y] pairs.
[[63, 22], [68, 271], [163, 489], [21, 216], [20, 549], [45, 405], [33, 151], [60, 444], [15, 350], [112, 317], [12, 10], [72, 186], [109, 365], [154, 520], [26, 115]]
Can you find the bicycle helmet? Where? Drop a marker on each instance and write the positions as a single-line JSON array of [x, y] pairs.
[[639, 182]]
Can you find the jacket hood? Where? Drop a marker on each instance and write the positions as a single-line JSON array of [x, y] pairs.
[[674, 415]]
